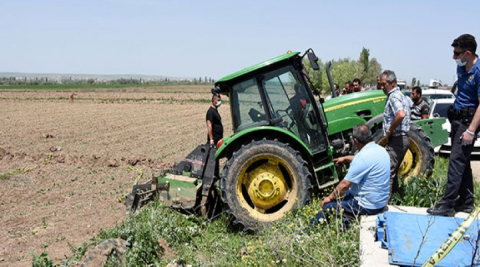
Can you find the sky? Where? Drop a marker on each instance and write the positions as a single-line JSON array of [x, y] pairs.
[[178, 38]]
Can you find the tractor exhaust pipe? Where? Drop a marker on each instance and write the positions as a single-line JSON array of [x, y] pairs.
[[330, 80]]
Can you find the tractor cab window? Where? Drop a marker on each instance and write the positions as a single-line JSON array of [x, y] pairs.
[[291, 106], [249, 111]]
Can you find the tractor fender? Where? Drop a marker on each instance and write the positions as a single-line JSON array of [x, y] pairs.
[[233, 143], [435, 130], [344, 124], [375, 123]]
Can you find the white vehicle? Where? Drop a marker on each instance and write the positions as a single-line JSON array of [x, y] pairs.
[[402, 84], [431, 94], [439, 108]]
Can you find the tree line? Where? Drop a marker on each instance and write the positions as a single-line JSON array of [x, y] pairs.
[[346, 69], [365, 68]]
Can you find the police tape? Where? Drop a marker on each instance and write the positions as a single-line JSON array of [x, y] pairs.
[[452, 240]]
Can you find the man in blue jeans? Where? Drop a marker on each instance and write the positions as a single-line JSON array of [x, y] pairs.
[[366, 186]]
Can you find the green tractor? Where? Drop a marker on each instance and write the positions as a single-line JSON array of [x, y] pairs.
[[282, 148]]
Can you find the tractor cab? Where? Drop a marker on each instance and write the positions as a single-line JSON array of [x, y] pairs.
[[278, 98]]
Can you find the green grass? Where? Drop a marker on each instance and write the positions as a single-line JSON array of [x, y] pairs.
[[199, 242], [42, 260], [423, 192]]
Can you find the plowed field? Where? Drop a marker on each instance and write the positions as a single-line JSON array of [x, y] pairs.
[[65, 165]]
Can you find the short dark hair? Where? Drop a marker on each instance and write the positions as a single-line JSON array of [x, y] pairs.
[[362, 133], [357, 80], [466, 42], [215, 95], [417, 90]]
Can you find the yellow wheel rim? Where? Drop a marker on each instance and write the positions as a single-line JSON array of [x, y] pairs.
[[411, 163], [266, 187], [406, 164]]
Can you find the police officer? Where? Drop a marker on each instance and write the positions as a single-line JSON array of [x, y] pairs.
[[464, 118]]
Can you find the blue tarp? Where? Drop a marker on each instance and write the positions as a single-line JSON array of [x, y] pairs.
[[412, 238]]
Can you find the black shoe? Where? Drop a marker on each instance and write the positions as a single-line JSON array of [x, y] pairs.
[[441, 210], [464, 208]]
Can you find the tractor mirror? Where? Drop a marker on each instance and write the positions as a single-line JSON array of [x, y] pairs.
[[313, 60]]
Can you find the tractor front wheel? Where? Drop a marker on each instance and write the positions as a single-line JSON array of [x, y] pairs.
[[262, 181]]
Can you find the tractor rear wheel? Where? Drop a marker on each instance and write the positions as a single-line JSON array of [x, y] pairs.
[[420, 157], [262, 181]]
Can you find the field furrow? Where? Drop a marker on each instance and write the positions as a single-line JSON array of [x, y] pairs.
[[63, 164]]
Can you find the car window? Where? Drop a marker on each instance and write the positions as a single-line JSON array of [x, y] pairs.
[[441, 109], [429, 98], [442, 96]]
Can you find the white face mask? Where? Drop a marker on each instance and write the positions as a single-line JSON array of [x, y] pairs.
[[459, 62], [218, 104]]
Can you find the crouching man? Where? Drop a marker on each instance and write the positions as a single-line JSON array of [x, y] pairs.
[[366, 186]]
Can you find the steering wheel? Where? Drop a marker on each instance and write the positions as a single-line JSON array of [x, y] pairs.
[[287, 117]]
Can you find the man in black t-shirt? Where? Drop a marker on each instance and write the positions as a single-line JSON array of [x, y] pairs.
[[214, 121], [420, 108]]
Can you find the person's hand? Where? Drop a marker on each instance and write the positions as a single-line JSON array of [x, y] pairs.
[[211, 142], [326, 200], [387, 136], [339, 161], [467, 137]]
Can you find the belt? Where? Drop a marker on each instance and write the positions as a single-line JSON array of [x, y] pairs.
[[464, 115]]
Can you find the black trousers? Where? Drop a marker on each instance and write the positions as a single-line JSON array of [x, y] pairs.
[[396, 149], [460, 178]]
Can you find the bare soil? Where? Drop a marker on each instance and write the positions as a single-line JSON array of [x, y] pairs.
[[65, 166]]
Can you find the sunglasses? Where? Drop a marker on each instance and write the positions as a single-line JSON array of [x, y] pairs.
[[459, 53]]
